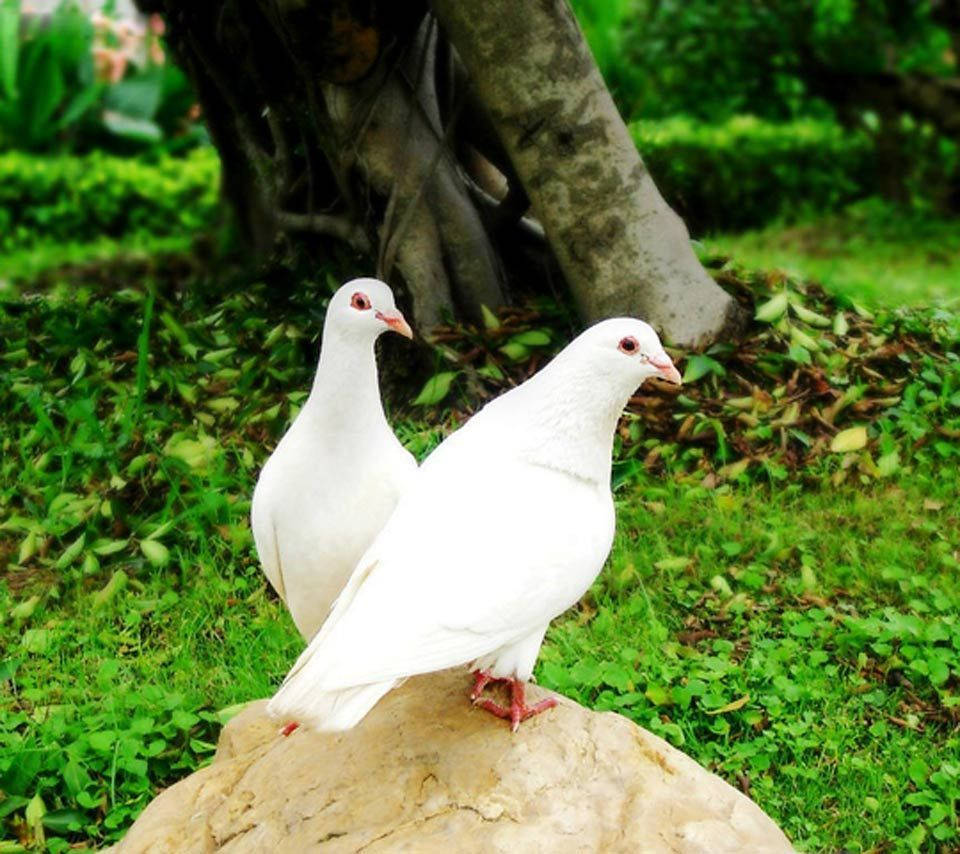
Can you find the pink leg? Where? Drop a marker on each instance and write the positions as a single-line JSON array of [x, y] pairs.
[[519, 711], [481, 678], [289, 728]]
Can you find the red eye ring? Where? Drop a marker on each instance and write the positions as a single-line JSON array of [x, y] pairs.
[[359, 301], [629, 345]]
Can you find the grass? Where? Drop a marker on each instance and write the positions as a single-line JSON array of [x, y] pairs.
[[870, 252], [799, 637]]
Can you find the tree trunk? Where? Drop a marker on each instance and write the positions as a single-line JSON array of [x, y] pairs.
[[620, 246], [423, 145]]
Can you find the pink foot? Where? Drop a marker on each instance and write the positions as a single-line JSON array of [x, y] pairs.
[[289, 728], [481, 678], [519, 710]]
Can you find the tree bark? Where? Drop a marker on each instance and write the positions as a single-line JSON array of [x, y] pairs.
[[620, 246], [360, 122]]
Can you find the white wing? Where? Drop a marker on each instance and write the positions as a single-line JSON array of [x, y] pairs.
[[265, 534], [478, 554]]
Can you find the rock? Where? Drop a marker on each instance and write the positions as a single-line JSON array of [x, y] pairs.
[[426, 772]]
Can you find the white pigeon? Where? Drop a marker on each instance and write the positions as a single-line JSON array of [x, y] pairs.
[[506, 526], [338, 472]]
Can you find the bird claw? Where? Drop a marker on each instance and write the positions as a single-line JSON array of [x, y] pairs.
[[518, 710], [481, 678]]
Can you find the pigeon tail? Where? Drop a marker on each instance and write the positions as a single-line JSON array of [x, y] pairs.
[[326, 711]]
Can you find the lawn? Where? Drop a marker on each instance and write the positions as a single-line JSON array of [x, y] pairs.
[[871, 251], [792, 627]]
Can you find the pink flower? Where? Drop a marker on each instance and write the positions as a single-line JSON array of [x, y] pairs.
[[110, 64], [157, 25]]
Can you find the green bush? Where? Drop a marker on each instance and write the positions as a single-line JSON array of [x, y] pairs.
[[44, 199], [746, 171]]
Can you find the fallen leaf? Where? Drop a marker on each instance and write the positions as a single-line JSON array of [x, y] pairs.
[[851, 439], [730, 707]]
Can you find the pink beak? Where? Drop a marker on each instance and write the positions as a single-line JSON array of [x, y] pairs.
[[396, 322], [667, 370]]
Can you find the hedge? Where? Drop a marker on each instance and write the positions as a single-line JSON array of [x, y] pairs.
[[718, 177], [82, 198], [746, 171]]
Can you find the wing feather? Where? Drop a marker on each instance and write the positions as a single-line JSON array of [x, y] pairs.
[[432, 595]]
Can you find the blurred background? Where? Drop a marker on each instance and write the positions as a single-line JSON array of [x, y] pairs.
[[820, 137]]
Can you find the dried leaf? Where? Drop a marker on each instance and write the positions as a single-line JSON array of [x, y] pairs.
[[852, 439], [730, 707]]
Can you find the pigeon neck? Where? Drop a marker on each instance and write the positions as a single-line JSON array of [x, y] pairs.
[[570, 416], [345, 391]]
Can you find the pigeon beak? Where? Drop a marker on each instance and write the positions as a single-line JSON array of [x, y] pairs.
[[395, 321], [667, 369]]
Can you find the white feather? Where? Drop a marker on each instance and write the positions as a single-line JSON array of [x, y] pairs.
[[336, 475], [506, 525]]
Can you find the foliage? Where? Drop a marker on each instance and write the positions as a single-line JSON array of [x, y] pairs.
[[69, 81], [812, 373], [61, 199], [713, 60], [799, 638], [739, 174], [883, 254], [884, 70], [746, 172]]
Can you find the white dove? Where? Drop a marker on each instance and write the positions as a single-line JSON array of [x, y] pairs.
[[338, 472], [506, 526]]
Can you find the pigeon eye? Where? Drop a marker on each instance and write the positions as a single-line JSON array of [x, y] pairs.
[[628, 345], [360, 301]]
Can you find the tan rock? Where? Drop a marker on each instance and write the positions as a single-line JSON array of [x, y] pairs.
[[426, 772]]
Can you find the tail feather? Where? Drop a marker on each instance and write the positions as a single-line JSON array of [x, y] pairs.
[[327, 711]]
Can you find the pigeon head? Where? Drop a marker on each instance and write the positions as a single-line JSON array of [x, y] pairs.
[[627, 347], [366, 307]]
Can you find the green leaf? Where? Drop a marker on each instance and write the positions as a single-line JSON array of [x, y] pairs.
[[808, 316], [70, 552], [64, 820], [128, 127], [490, 320], [155, 552], [108, 547], [117, 582], [12, 803], [9, 46], [773, 309], [852, 439], [801, 339], [515, 351], [670, 564], [102, 740], [34, 814], [888, 464], [136, 98], [28, 548], [698, 366], [840, 325], [24, 611], [43, 79], [436, 388], [532, 338]]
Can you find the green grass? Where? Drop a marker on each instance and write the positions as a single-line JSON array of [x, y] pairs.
[[870, 252], [799, 638], [24, 265]]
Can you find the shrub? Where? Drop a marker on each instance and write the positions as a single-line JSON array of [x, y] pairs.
[[746, 171], [71, 81], [45, 199]]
